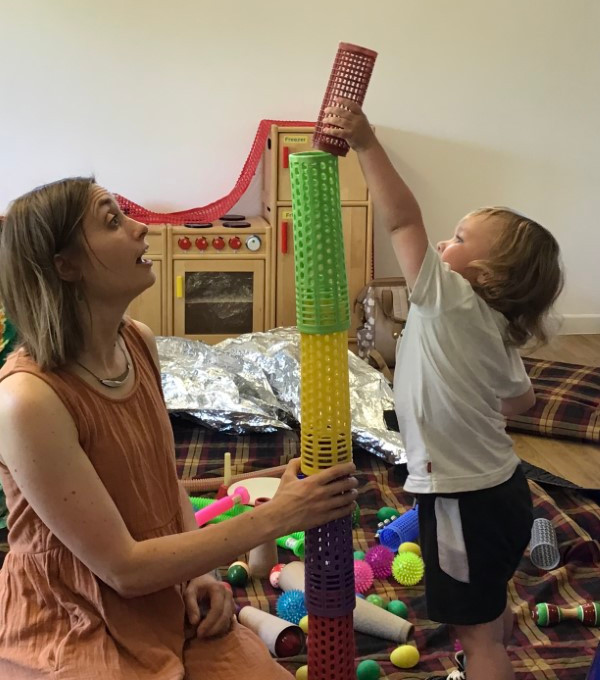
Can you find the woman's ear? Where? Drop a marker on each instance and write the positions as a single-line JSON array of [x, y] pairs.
[[66, 269]]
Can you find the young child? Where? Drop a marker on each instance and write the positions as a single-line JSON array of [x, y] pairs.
[[482, 295], [108, 576]]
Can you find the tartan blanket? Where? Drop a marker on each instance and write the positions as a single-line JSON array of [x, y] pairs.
[[568, 401], [564, 652], [561, 653]]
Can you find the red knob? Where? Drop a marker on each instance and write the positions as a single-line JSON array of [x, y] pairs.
[[235, 242], [202, 243], [184, 243], [219, 243]]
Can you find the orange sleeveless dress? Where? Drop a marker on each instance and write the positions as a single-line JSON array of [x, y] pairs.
[[57, 619]]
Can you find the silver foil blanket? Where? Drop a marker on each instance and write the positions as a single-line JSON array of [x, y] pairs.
[[252, 383]]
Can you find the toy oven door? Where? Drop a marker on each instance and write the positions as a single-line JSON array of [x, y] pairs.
[[218, 299]]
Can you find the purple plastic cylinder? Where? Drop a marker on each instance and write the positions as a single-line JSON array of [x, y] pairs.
[[329, 569], [403, 529]]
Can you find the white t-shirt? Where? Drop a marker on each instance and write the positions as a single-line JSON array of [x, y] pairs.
[[452, 369]]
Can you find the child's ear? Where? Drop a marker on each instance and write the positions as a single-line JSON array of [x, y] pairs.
[[483, 277], [66, 269]]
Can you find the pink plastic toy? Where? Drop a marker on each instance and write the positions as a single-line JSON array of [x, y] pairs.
[[363, 576], [240, 495], [380, 559]]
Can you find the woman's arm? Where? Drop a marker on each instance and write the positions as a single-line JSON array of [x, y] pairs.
[[40, 447]]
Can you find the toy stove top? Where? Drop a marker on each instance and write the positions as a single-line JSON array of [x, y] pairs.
[[229, 221], [229, 234], [232, 225]]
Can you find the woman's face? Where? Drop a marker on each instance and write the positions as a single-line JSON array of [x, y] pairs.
[[111, 261]]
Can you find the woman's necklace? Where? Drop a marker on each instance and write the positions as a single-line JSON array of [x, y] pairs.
[[119, 381]]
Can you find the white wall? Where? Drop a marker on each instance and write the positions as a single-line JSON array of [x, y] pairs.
[[478, 102]]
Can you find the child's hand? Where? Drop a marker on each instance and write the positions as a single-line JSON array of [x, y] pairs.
[[209, 606], [351, 124], [317, 499]]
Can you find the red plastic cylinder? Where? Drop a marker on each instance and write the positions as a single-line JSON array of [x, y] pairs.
[[349, 78], [331, 648]]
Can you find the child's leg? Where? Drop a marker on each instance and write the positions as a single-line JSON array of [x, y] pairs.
[[508, 623], [485, 650], [472, 543]]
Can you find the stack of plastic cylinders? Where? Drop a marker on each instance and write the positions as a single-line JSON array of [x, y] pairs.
[[323, 318], [349, 79], [402, 530]]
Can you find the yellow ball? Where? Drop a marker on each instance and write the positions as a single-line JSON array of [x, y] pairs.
[[410, 547], [304, 624], [302, 673], [405, 656]]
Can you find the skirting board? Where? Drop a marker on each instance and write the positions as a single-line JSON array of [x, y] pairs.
[[580, 324]]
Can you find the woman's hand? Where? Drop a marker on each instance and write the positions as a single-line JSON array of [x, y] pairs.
[[350, 124], [209, 606], [316, 499]]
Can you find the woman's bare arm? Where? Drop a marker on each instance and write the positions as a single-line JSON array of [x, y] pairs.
[[40, 446]]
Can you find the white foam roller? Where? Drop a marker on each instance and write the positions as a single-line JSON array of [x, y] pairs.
[[368, 618], [266, 626], [291, 576], [373, 620]]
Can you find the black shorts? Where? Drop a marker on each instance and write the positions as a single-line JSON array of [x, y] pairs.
[[472, 543]]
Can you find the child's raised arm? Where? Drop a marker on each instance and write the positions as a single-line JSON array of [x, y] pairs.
[[393, 199]]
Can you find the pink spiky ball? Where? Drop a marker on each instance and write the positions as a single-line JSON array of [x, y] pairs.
[[380, 559], [363, 576]]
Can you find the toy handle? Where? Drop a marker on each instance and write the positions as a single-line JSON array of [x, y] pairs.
[[240, 495]]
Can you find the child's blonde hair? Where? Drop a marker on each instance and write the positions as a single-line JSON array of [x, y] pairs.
[[522, 277], [44, 308]]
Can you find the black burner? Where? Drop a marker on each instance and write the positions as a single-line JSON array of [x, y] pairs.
[[236, 225], [198, 225], [232, 218]]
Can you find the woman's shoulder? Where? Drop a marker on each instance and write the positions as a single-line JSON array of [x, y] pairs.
[[27, 392], [27, 400]]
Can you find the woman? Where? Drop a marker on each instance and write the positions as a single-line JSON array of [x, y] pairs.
[[107, 576]]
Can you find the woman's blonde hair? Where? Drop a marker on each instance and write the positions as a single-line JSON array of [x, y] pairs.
[[45, 309], [522, 277]]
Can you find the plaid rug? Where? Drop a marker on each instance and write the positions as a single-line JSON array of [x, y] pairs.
[[568, 401], [563, 652]]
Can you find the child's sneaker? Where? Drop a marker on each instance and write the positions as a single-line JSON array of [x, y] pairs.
[[458, 674]]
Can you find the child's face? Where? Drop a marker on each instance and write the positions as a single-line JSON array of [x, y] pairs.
[[472, 240]]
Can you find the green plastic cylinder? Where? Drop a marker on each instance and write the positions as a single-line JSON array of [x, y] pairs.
[[199, 503], [293, 542], [322, 304]]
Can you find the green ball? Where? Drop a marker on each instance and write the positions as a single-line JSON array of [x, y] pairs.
[[408, 569], [398, 608], [368, 670], [387, 513], [376, 600], [237, 575], [359, 555], [356, 517]]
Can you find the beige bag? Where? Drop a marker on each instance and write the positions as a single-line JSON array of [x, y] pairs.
[[384, 305]]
